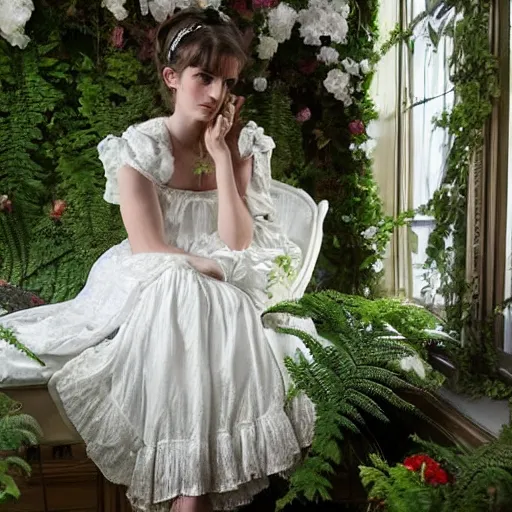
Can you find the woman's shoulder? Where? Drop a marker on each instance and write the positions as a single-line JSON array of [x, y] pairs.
[[155, 128]]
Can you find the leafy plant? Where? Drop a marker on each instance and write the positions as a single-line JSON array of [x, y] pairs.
[[352, 371], [459, 479], [16, 430]]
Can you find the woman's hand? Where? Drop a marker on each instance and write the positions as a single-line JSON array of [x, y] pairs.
[[215, 135], [206, 266], [236, 127]]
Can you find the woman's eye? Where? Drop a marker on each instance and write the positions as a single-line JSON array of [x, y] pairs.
[[207, 79], [230, 83]]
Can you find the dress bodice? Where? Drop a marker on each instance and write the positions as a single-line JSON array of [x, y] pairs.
[[190, 217]]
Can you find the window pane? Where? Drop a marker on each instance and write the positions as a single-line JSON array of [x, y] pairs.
[[430, 87]]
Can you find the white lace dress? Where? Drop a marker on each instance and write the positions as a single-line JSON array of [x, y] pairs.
[[168, 375]]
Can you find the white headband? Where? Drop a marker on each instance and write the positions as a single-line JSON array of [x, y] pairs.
[[181, 34]]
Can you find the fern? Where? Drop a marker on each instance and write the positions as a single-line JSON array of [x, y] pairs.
[[273, 112], [6, 335], [16, 430], [348, 379]]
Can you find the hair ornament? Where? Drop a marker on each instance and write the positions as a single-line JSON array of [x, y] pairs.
[[179, 36]]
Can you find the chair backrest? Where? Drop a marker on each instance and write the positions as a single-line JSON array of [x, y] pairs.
[[302, 220]]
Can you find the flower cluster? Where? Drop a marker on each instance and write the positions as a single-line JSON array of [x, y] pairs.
[[431, 471], [324, 18], [5, 204], [13, 17]]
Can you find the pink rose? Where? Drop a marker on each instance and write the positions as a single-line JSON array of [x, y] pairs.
[[5, 204], [303, 115], [58, 208], [117, 37], [264, 4], [356, 127]]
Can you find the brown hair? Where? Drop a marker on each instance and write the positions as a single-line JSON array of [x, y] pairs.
[[205, 48]]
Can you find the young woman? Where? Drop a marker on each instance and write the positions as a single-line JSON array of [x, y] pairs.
[[162, 363]]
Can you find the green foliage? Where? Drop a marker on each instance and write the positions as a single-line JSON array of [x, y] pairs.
[[415, 323], [474, 74], [481, 479], [16, 430], [7, 336], [352, 373], [396, 489], [70, 87], [272, 111]]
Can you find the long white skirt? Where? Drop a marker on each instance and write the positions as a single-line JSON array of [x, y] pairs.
[[188, 398]]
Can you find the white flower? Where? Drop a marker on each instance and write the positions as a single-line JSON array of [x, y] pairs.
[[368, 146], [366, 291], [337, 83], [351, 66], [203, 4], [116, 7], [259, 84], [267, 47], [322, 18], [364, 66], [413, 363], [345, 218], [328, 55], [372, 129], [369, 232], [378, 266], [13, 17], [281, 21]]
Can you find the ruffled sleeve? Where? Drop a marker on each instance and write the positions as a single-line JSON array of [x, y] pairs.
[[254, 143], [141, 146]]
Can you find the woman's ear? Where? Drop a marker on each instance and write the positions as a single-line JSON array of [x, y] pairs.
[[170, 77]]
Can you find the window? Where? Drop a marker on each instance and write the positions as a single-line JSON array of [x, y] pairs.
[[430, 93]]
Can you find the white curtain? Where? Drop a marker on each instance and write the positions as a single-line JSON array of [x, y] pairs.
[[508, 271], [410, 156]]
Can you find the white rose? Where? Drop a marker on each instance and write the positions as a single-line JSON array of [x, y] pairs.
[[116, 7], [267, 47], [322, 19], [13, 18], [259, 84], [328, 55], [337, 83], [281, 21], [378, 266], [369, 232], [364, 66], [351, 66]]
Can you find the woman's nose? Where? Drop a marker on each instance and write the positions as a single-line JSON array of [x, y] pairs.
[[216, 88]]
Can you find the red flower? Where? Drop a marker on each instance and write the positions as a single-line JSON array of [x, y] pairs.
[[264, 4], [433, 473], [3, 283], [415, 462], [37, 301], [59, 207], [306, 67], [117, 37], [5, 204], [303, 115], [356, 127], [240, 6]]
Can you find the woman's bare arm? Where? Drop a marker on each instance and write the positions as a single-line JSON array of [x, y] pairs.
[[235, 224], [141, 213]]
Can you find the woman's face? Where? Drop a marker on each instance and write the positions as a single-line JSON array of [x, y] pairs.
[[200, 94]]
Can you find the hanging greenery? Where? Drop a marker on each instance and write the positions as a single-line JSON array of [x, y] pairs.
[[474, 76], [73, 72]]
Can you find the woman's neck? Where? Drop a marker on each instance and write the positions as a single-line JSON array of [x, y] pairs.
[[188, 134]]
